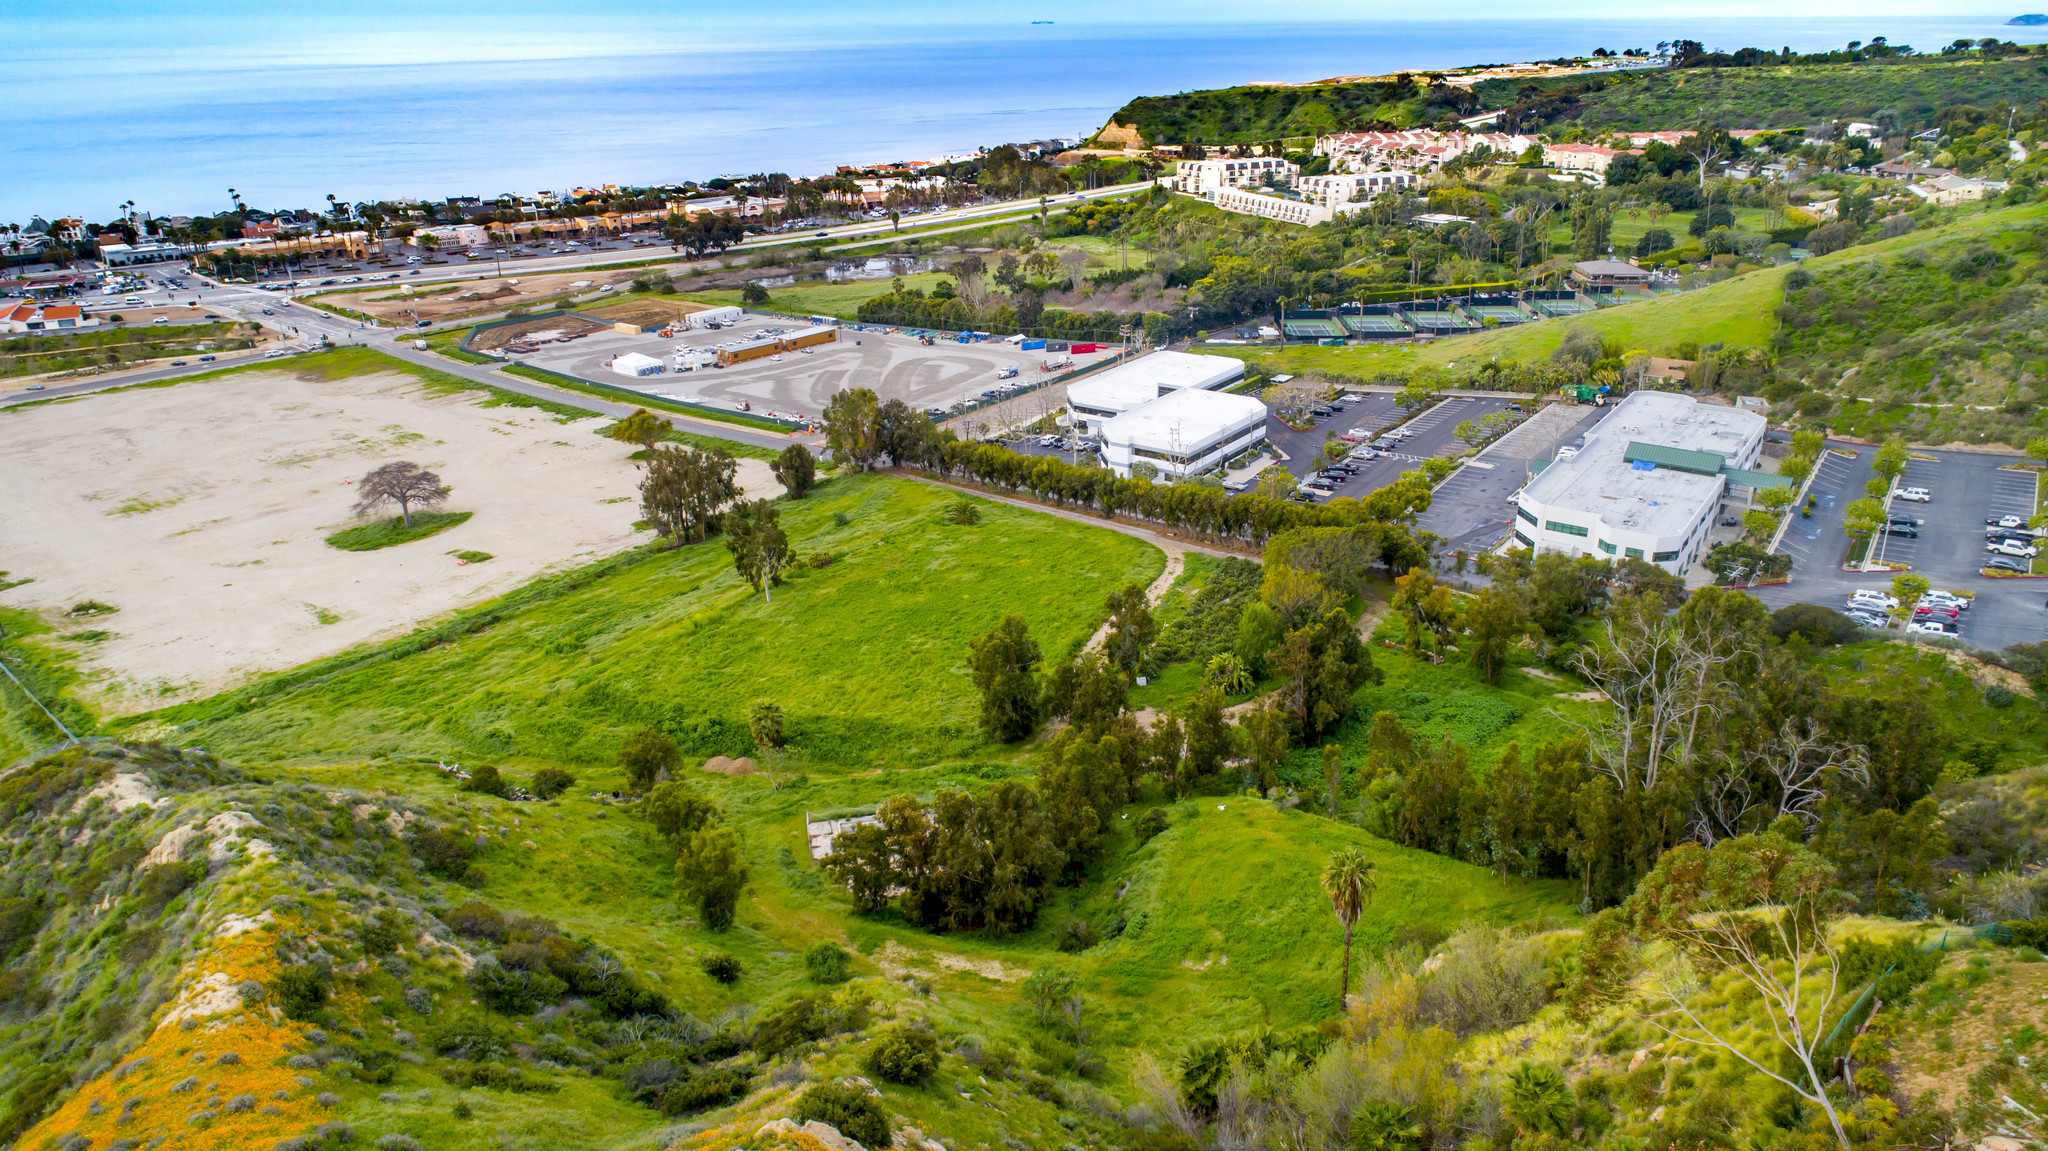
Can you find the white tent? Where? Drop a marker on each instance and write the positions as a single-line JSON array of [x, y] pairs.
[[635, 364]]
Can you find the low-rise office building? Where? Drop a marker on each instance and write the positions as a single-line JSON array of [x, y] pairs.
[[1646, 483], [1183, 433], [1094, 400]]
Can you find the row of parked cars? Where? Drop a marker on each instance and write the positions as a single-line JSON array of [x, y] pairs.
[[1936, 613]]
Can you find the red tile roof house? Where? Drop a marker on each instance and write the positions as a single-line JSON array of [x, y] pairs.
[[30, 316]]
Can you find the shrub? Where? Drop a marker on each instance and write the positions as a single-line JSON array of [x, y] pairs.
[[301, 990], [963, 512], [1489, 980], [1998, 696], [909, 1056], [550, 782], [857, 1115], [1076, 935], [167, 881], [443, 851], [397, 1142], [513, 990], [799, 1023], [722, 967], [478, 920], [488, 780], [1819, 625], [711, 1089], [1154, 821], [828, 963], [385, 931], [497, 1077]]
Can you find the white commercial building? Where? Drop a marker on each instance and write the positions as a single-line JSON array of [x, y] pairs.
[[1096, 399], [635, 364], [1184, 432], [1647, 482], [1201, 177]]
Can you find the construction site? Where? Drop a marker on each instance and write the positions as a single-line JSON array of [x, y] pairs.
[[783, 368]]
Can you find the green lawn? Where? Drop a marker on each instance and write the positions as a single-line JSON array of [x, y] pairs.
[[867, 656], [395, 531], [819, 297]]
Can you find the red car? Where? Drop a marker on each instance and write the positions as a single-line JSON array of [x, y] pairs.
[[1943, 612]]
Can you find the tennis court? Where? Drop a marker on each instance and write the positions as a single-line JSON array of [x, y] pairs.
[[1559, 307], [1374, 325], [1441, 321], [1314, 329], [1501, 313]]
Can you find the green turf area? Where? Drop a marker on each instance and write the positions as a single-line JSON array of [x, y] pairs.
[[395, 531], [819, 297], [865, 655], [104, 347]]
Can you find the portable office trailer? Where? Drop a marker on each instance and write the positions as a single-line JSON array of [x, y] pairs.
[[809, 337], [753, 349], [710, 316]]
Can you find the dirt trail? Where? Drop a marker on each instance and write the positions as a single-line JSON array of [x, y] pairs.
[[1176, 560]]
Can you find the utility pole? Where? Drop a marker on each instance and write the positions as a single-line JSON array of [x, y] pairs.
[[69, 738]]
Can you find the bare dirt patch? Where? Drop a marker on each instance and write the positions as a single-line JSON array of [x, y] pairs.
[[648, 313], [387, 300], [200, 512], [545, 328]]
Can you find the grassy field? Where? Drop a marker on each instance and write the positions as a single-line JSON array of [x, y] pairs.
[[1739, 311], [866, 656], [1795, 96], [819, 297]]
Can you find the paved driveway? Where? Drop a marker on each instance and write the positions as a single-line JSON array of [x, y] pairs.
[[1472, 510]]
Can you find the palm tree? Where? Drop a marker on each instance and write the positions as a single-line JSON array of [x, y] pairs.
[[1349, 879]]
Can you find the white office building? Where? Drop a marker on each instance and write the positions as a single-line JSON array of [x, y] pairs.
[[1647, 482], [1096, 399], [1184, 432]]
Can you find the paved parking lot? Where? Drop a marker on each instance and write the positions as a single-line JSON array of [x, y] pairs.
[[1431, 436], [1472, 510], [1967, 488]]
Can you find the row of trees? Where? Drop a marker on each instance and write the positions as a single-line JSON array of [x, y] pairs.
[[690, 493], [863, 433]]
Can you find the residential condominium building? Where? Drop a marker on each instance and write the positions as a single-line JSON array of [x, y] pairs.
[[1647, 483], [1202, 177], [1358, 186], [1304, 212], [1589, 159]]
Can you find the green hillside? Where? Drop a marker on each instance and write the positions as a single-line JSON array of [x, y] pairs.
[[863, 655], [1908, 90]]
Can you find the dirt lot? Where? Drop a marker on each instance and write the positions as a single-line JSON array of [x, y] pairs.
[[200, 513], [650, 312], [486, 294], [546, 328]]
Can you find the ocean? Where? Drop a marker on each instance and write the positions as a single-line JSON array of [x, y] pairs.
[[173, 124]]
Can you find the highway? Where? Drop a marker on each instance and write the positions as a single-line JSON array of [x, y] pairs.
[[304, 327]]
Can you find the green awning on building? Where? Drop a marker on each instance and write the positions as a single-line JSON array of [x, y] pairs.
[[1741, 478], [1677, 459]]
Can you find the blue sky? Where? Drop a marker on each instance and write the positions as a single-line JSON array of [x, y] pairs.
[[44, 40]]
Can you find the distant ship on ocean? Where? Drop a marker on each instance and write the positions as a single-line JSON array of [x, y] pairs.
[[1041, 21]]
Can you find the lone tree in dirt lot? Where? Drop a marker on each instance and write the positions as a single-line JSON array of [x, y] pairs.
[[642, 427], [403, 483], [796, 470], [1349, 879], [685, 489]]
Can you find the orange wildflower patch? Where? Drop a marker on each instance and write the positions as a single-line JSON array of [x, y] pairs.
[[176, 1082]]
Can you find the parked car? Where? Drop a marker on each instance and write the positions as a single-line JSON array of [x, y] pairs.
[[1940, 612], [1883, 600], [2005, 522], [1930, 627], [2001, 563], [1917, 495], [1383, 444], [1903, 522], [2012, 548], [1949, 598], [1352, 437], [1866, 619], [1903, 531]]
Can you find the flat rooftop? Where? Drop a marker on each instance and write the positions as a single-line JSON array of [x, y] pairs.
[[1146, 378], [1188, 421], [1661, 501]]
